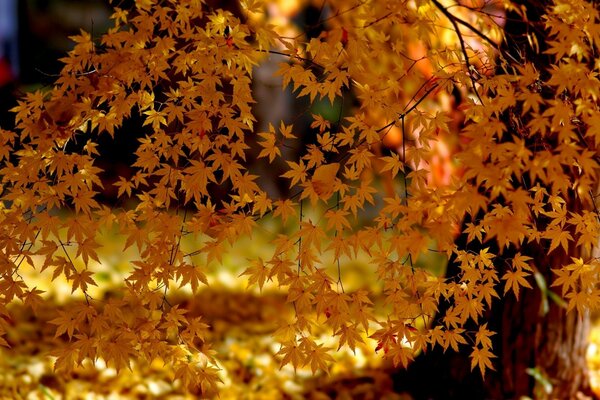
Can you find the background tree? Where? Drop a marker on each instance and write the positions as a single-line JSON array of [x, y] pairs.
[[523, 185]]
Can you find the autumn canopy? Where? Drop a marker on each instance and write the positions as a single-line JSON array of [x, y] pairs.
[[424, 133]]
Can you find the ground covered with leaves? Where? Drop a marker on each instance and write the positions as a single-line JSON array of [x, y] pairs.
[[241, 325], [241, 330]]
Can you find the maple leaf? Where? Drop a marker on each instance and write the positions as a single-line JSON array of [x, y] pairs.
[[271, 148], [566, 279], [33, 299], [118, 352], [81, 280], [558, 237], [286, 131], [124, 185], [454, 337], [401, 355], [320, 122], [66, 358], [292, 354], [66, 323], [187, 374], [258, 273], [155, 118], [174, 319], [284, 209], [195, 329], [191, 274], [482, 337], [393, 163], [481, 357], [514, 280], [323, 179], [86, 346], [87, 249], [349, 335], [520, 261], [12, 288], [318, 358], [337, 219]]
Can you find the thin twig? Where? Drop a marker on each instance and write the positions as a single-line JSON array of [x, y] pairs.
[[463, 47]]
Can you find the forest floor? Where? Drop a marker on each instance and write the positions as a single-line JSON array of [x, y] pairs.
[[242, 338], [242, 324]]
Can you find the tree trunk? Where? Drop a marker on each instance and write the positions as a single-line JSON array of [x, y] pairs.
[[540, 354]]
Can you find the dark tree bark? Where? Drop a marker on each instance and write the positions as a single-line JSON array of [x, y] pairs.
[[541, 352], [553, 343]]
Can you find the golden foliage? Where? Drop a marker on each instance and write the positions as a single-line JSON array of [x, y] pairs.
[[187, 70]]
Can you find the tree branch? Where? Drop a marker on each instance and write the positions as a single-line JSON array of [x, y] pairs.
[[461, 40]]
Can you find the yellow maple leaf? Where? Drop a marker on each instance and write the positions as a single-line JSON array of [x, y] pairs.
[[323, 180]]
